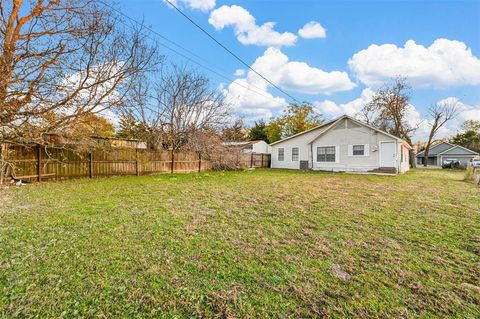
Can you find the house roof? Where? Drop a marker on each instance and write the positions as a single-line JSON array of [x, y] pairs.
[[304, 132], [437, 149], [447, 148], [241, 143], [458, 150], [327, 126]]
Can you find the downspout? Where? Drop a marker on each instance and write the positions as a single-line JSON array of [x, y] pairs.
[[311, 154]]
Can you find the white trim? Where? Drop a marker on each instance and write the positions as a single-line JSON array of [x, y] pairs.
[[332, 123], [359, 123], [298, 154], [301, 133], [366, 150], [278, 154], [337, 153]]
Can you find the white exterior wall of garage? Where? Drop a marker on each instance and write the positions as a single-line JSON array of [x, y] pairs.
[[343, 135]]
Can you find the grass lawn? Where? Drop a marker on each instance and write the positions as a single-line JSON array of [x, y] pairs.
[[264, 243]]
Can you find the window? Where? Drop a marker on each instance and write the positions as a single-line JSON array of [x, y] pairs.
[[359, 150], [294, 154], [281, 154], [326, 154]]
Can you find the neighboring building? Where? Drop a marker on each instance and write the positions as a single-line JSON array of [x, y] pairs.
[[55, 139], [249, 146], [342, 145], [120, 142], [446, 151]]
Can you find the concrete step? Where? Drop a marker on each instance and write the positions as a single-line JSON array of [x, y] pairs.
[[385, 170]]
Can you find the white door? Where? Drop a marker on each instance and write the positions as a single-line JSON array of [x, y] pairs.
[[387, 154]]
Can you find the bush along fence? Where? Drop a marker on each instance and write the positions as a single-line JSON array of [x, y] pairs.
[[40, 162]]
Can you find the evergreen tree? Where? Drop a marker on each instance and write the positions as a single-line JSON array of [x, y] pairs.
[[257, 132]]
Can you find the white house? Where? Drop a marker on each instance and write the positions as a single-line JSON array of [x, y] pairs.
[[342, 145], [249, 146]]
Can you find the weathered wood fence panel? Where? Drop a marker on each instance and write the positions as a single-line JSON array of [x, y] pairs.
[[38, 162]]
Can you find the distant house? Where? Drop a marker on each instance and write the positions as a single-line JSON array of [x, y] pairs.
[[446, 151], [342, 145], [249, 146]]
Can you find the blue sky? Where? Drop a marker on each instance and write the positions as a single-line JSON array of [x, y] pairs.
[[339, 60]]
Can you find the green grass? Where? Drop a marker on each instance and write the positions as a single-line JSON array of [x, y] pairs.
[[264, 243]]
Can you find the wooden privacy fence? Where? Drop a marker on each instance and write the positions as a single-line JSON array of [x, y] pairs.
[[38, 162]]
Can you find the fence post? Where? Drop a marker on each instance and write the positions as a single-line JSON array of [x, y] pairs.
[[90, 163], [172, 157], [199, 162], [251, 160], [262, 160], [39, 163], [136, 162]]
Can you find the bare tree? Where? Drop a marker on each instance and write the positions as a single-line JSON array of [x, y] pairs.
[[140, 116], [189, 105], [178, 106], [388, 111], [62, 59], [440, 113]]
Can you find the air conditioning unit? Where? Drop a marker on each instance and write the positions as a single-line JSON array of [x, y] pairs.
[[303, 164], [374, 148]]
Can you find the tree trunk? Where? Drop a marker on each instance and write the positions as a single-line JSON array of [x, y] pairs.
[[411, 154], [429, 143], [425, 156]]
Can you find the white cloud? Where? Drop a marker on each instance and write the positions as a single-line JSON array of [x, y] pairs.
[[414, 118], [299, 76], [239, 72], [202, 5], [312, 30], [445, 63], [289, 75], [351, 108], [249, 97], [246, 29], [465, 112]]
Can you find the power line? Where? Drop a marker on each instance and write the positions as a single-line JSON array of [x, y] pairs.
[[228, 50], [185, 49]]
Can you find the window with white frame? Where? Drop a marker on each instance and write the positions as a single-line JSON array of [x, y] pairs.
[[294, 154], [358, 150], [281, 154], [326, 154]]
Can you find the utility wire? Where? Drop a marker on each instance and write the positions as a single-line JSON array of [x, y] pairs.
[[185, 49], [228, 50]]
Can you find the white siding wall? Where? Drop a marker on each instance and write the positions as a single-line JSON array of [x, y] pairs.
[[304, 150], [403, 162], [343, 137], [260, 147]]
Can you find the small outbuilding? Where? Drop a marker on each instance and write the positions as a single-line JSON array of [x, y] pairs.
[[443, 151], [249, 146], [344, 144]]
